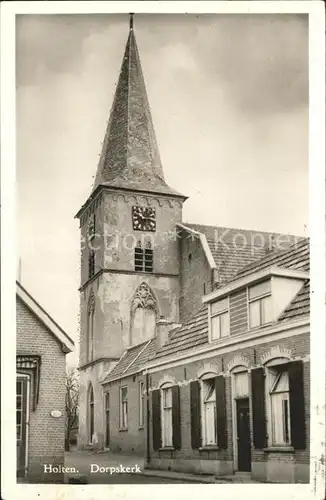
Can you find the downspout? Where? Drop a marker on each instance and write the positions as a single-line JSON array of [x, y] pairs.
[[148, 457]]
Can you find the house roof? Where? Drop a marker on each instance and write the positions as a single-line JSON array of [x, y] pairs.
[[194, 332], [59, 334], [191, 334], [132, 360], [300, 305], [295, 257], [232, 249], [130, 157]]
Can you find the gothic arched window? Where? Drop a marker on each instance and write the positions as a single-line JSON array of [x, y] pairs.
[[90, 413], [90, 328], [143, 315]]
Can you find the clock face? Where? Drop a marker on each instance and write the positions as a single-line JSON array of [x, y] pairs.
[[143, 218]]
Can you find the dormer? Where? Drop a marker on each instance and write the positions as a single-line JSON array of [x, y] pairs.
[[252, 302]]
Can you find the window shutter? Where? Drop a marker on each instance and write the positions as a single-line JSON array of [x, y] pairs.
[[176, 417], [156, 419], [258, 407], [195, 414], [221, 422], [297, 410]]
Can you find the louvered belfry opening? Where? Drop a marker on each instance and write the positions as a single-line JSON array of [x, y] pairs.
[[139, 257], [148, 257], [144, 257]]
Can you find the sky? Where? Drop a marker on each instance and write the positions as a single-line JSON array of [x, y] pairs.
[[229, 101]]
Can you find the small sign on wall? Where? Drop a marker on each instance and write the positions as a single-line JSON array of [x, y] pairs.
[[56, 413]]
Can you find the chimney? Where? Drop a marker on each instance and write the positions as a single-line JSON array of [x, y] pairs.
[[163, 328]]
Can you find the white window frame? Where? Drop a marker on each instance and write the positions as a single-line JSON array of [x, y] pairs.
[[141, 389], [123, 416], [204, 380], [260, 299], [276, 364], [167, 441], [28, 391], [218, 314]]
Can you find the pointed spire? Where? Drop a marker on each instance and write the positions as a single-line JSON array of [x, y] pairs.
[[130, 157], [131, 22]]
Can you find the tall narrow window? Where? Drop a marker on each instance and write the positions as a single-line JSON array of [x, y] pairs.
[[280, 406], [123, 408], [141, 404], [148, 258], [167, 417], [220, 319], [260, 301], [209, 417], [91, 264], [90, 328], [90, 414], [107, 419], [139, 257], [143, 314]]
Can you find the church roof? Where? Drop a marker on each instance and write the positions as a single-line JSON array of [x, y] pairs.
[[130, 157], [233, 249], [132, 361]]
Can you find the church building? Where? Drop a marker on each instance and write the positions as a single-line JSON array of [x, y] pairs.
[[144, 271]]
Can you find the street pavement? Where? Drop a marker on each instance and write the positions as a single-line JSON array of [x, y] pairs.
[[103, 473]]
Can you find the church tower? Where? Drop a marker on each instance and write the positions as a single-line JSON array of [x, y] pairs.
[[130, 250]]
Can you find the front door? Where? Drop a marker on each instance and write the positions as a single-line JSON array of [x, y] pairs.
[[243, 435], [21, 423]]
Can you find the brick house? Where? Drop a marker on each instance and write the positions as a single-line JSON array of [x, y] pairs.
[[41, 348], [143, 269], [229, 390]]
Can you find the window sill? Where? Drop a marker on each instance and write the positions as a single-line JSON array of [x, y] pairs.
[[279, 449], [209, 447], [123, 429], [167, 448]]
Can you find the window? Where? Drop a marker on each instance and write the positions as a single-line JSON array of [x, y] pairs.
[[259, 297], [209, 423], [143, 314], [144, 257], [90, 328], [139, 257], [278, 380], [19, 409], [123, 408], [107, 419], [241, 384], [91, 264], [141, 404], [90, 414], [148, 258], [167, 417], [220, 320]]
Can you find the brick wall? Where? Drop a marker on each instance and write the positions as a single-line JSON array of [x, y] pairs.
[[46, 434], [195, 276], [132, 440], [299, 347]]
